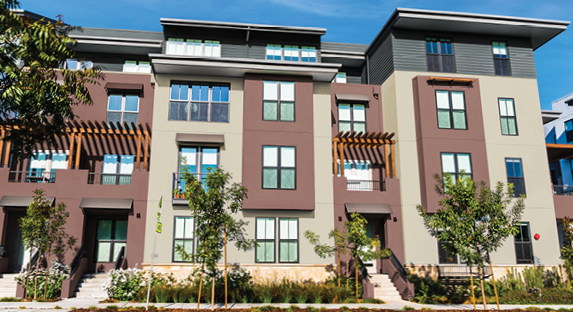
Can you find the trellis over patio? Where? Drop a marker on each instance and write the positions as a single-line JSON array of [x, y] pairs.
[[372, 140], [77, 130]]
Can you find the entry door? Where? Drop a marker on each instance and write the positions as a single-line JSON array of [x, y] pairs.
[[14, 247], [371, 264], [111, 236]]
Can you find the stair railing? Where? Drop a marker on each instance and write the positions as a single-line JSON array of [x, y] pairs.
[[78, 257]]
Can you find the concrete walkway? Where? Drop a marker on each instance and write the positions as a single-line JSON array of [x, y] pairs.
[[69, 304]]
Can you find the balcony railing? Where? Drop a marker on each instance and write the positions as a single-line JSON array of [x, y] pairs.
[[109, 178], [179, 185], [562, 189], [32, 177], [365, 185]]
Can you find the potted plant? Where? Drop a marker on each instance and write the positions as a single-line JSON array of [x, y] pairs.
[[176, 193]]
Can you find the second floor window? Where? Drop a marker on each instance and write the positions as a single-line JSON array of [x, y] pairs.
[[455, 163], [351, 117], [501, 59], [451, 109], [123, 108], [507, 117], [440, 55], [137, 67], [199, 102], [515, 176], [193, 47], [278, 100], [279, 167]]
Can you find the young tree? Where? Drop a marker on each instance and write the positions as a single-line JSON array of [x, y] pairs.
[[31, 87], [43, 229], [212, 202], [473, 218], [567, 248]]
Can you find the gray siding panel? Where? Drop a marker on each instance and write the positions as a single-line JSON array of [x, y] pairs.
[[233, 50], [257, 52], [381, 63], [474, 56], [409, 51], [347, 47], [118, 33], [109, 66], [353, 79], [521, 59]]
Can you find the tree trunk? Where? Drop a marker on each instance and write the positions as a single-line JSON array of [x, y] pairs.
[[200, 285], [482, 289], [472, 286], [213, 292], [348, 269], [28, 275], [493, 280], [356, 272], [36, 280], [225, 269], [338, 257]]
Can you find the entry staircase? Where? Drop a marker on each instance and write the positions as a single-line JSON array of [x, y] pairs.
[[91, 286], [384, 289], [8, 285]]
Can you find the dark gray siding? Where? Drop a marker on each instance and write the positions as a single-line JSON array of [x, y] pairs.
[[347, 47], [234, 50], [354, 79], [473, 56], [521, 58], [257, 52], [381, 63], [409, 51], [118, 33]]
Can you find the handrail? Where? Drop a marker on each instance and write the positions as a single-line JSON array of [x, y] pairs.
[[177, 185], [398, 266], [119, 259], [363, 270], [365, 185], [562, 189], [109, 178], [78, 257], [32, 176]]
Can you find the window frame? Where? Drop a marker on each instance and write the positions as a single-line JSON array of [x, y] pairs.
[[455, 256], [189, 102], [278, 168], [507, 59], [522, 178], [273, 240], [440, 54], [297, 240], [514, 117], [137, 67], [568, 133], [173, 253], [117, 175], [352, 116], [122, 110], [186, 46], [299, 50], [79, 62], [279, 101], [455, 175], [451, 110], [198, 161], [112, 240], [519, 260]]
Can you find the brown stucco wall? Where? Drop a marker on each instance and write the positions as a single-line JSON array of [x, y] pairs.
[[563, 206]]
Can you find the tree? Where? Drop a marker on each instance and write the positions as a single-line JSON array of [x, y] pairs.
[[474, 219], [212, 202], [567, 248], [43, 229], [32, 89]]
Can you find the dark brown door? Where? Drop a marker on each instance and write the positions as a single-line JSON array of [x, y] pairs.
[[14, 248]]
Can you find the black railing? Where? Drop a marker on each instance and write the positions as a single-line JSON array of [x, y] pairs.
[[32, 177], [365, 185], [76, 262], [119, 259], [399, 266], [109, 178], [562, 189], [178, 185], [461, 272]]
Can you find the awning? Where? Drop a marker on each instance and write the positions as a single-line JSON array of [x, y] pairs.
[[352, 97], [133, 87], [106, 203], [369, 208], [21, 201], [200, 138], [559, 151]]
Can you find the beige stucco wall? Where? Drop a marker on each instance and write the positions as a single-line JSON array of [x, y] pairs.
[[529, 145]]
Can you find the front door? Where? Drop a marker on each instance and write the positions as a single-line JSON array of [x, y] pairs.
[[14, 248], [371, 264], [111, 237]]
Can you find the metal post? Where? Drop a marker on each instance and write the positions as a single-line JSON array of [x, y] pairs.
[[151, 272]]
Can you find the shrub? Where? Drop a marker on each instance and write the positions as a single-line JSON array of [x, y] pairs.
[[408, 308], [9, 299], [112, 307], [54, 277], [57, 307], [124, 285], [92, 308]]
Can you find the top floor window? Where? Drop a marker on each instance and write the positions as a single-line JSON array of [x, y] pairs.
[[136, 67], [501, 58], [78, 64], [440, 55], [193, 47], [340, 78], [569, 130], [291, 53]]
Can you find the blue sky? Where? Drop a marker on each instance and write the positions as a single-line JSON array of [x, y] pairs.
[[352, 21]]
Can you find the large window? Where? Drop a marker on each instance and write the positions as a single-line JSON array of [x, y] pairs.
[[515, 176], [265, 228], [43, 166], [288, 240], [340, 78], [193, 47], [501, 58], [440, 55], [279, 167], [278, 100], [183, 236], [454, 163], [451, 109], [117, 169], [351, 117], [444, 256], [136, 67], [123, 108], [569, 130], [523, 248], [291, 53], [199, 102], [197, 161], [507, 117], [111, 236]]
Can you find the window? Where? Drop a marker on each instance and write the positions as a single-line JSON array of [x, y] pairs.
[[265, 228], [507, 117], [193, 47], [117, 169], [111, 236], [198, 161], [43, 166], [515, 176], [291, 53], [523, 249], [78, 64], [454, 163], [569, 130], [137, 67], [351, 117], [123, 108], [340, 78], [501, 59], [274, 52], [183, 236], [288, 240], [440, 55], [279, 167], [278, 100], [451, 109], [205, 103], [308, 54], [444, 256]]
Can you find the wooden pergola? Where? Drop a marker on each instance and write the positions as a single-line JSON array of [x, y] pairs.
[[77, 130], [364, 140]]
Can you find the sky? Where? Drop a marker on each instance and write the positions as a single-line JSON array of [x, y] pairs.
[[349, 21]]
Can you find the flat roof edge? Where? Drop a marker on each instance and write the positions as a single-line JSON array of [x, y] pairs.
[[246, 26]]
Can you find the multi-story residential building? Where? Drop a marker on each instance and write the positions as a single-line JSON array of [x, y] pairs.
[[318, 130]]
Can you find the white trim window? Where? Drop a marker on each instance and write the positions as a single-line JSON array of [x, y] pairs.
[[279, 167], [265, 235], [123, 108], [308, 54], [193, 47], [117, 169], [291, 53], [278, 100], [136, 67], [288, 240], [43, 166], [78, 64], [340, 78]]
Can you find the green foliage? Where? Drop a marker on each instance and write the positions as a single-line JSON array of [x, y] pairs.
[[567, 248], [373, 301], [430, 291], [57, 307], [408, 308], [533, 277], [39, 94], [112, 307], [124, 285], [9, 299], [539, 296], [55, 275]]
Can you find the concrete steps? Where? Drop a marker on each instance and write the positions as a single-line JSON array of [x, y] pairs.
[[8, 285], [384, 289], [91, 286]]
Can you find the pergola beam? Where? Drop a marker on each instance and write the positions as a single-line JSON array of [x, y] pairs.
[[364, 140]]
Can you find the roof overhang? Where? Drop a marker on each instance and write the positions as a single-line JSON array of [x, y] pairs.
[[370, 209], [346, 58], [106, 203], [538, 30], [21, 201], [243, 26], [559, 151], [218, 139], [549, 115], [237, 67], [352, 97], [100, 44]]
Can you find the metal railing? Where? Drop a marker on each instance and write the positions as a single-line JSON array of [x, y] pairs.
[[73, 267], [365, 185], [32, 177], [398, 266], [119, 259], [179, 185], [461, 272], [562, 189], [109, 178]]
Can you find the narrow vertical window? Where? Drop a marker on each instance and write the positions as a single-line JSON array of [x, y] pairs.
[[569, 130], [515, 176], [288, 240], [440, 55], [183, 236], [265, 251], [523, 248], [501, 58], [507, 117]]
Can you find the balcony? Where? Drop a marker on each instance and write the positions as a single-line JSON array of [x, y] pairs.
[[109, 178], [178, 198], [365, 185], [32, 177]]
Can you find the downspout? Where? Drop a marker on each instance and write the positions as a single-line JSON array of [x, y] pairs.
[[367, 69], [247, 40]]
